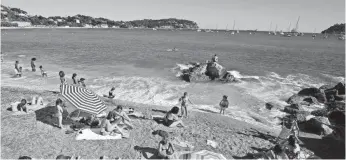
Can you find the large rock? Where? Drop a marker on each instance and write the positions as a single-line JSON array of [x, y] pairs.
[[309, 92], [336, 106], [318, 126], [309, 100], [320, 112], [325, 87], [295, 99], [293, 109], [338, 117], [340, 87], [214, 71]]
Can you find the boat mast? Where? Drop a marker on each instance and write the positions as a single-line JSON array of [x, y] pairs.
[[289, 27], [297, 24], [233, 24], [270, 27], [276, 28]]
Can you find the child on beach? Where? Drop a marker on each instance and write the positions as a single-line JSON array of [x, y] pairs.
[[81, 82], [59, 112], [33, 64], [62, 77], [19, 74], [16, 66], [223, 104], [183, 102], [74, 75], [43, 72]]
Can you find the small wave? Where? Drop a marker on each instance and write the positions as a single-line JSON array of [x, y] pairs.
[[21, 55]]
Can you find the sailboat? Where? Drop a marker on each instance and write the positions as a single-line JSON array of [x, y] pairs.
[[314, 34], [233, 28], [270, 28], [227, 28], [288, 34], [274, 33], [238, 30]]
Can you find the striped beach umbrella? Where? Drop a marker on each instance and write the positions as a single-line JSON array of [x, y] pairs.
[[82, 98], [201, 155]]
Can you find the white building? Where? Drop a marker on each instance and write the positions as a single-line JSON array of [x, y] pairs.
[[103, 26], [60, 20], [22, 24], [88, 26], [77, 21]]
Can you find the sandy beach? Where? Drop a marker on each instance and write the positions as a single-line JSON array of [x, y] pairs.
[[38, 138]]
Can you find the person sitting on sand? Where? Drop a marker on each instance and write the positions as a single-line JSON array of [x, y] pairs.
[[43, 73], [33, 64], [59, 112], [19, 74], [120, 116], [81, 82], [111, 93], [62, 77], [107, 128], [171, 118], [165, 148], [74, 78], [292, 148], [276, 153], [22, 106], [183, 102], [223, 104]]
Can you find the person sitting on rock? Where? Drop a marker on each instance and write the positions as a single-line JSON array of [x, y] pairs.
[[292, 148], [215, 58]]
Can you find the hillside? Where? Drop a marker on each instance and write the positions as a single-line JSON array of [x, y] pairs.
[[15, 17], [336, 28]]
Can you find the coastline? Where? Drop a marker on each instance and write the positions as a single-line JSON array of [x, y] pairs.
[[228, 132], [236, 139]]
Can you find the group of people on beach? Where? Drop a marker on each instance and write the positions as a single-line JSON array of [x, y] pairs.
[[19, 70], [75, 81]]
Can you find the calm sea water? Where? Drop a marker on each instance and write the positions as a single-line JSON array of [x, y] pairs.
[[136, 62]]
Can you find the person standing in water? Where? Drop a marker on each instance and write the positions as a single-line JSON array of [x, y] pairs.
[[183, 102], [62, 77], [33, 64], [43, 73], [223, 104], [111, 93], [16, 68], [74, 78], [81, 82]]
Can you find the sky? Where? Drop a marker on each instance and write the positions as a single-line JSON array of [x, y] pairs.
[[213, 14]]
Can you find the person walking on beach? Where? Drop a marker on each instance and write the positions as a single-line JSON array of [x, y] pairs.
[[62, 77], [33, 64], [43, 73], [183, 102], [223, 104], [74, 78]]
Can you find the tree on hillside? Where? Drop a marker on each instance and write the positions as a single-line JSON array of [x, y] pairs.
[[337, 28]]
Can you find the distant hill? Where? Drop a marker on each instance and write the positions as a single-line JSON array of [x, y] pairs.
[[336, 28], [14, 17]]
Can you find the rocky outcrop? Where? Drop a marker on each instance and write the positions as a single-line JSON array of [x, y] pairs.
[[293, 109], [271, 105], [214, 71], [309, 92], [318, 125], [340, 87]]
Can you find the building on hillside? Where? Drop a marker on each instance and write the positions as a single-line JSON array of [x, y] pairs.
[[60, 20], [88, 26], [166, 27], [115, 27], [50, 19], [103, 26], [77, 21], [22, 24], [23, 15]]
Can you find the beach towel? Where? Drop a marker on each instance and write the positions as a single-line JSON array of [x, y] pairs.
[[94, 134]]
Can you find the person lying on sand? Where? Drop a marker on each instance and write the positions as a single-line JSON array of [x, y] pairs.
[[183, 102], [108, 128], [223, 104], [119, 115], [171, 118], [43, 73]]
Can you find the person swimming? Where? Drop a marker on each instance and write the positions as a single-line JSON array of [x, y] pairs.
[[44, 74], [74, 79], [33, 64]]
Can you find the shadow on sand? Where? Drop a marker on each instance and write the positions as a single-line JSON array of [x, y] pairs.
[[147, 152], [47, 115]]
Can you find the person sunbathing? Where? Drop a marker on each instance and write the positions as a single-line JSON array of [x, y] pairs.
[[22, 106], [171, 118], [119, 115], [165, 148], [107, 128]]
